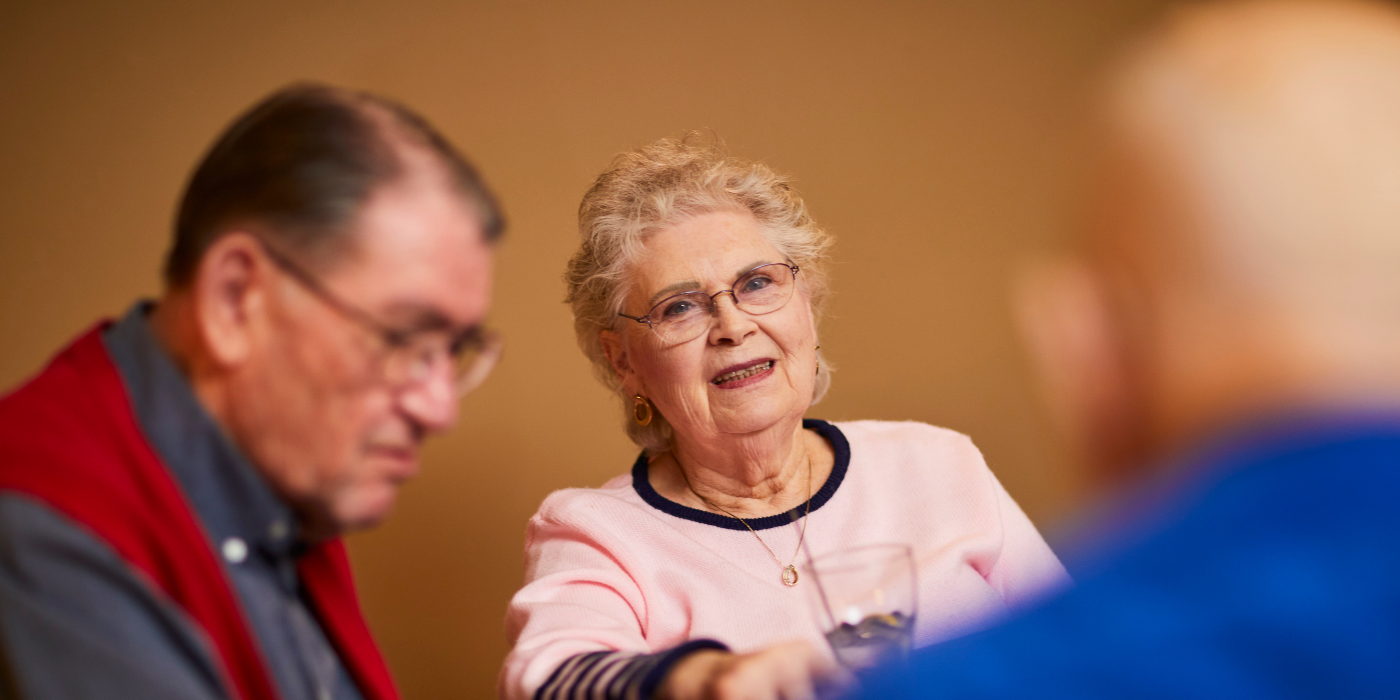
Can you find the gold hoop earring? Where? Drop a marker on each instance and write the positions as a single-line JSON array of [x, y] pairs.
[[819, 360], [641, 410]]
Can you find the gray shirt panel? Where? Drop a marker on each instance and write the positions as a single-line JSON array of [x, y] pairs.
[[77, 622]]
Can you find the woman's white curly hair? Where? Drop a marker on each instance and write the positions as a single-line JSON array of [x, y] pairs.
[[661, 186]]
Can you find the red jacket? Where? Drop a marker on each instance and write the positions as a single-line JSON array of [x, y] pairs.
[[69, 438]]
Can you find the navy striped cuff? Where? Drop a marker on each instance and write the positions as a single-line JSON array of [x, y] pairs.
[[617, 675]]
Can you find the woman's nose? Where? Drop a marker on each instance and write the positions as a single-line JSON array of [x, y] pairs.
[[731, 324]]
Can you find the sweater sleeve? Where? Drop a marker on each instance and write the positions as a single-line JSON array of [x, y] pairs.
[[578, 625], [1027, 571]]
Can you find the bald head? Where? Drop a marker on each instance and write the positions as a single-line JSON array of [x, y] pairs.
[[1243, 253], [1279, 125]]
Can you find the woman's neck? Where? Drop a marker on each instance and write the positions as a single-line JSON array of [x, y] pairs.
[[752, 476]]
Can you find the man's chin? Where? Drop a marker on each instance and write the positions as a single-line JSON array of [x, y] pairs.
[[364, 504], [367, 512]]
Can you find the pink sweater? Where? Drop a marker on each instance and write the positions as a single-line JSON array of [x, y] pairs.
[[619, 568]]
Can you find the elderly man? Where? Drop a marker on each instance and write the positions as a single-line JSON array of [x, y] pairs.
[[1231, 334], [172, 485]]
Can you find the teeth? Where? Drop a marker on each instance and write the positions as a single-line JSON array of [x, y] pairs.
[[744, 373]]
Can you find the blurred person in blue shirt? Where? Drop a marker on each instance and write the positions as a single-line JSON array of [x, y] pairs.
[[1225, 349]]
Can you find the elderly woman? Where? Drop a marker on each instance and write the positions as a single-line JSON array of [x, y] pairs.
[[696, 293]]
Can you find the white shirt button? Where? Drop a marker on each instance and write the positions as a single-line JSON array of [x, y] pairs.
[[235, 550]]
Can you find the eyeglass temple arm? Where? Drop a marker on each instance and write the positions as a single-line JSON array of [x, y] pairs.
[[319, 289]]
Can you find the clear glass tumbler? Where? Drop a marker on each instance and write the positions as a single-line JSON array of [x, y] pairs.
[[865, 599]]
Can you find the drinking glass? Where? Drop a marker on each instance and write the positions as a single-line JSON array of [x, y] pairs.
[[865, 600]]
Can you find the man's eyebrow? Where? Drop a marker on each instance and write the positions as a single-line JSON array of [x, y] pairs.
[[413, 317], [693, 286]]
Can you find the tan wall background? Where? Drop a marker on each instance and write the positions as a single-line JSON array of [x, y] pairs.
[[934, 139]]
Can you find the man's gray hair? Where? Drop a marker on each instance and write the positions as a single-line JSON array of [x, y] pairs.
[[301, 163]]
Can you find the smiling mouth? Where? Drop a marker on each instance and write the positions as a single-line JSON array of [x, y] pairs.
[[744, 373]]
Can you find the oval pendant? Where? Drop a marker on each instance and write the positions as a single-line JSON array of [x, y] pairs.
[[789, 576]]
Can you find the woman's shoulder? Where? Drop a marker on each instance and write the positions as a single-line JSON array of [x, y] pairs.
[[941, 469], [909, 432], [912, 445], [569, 500], [614, 503]]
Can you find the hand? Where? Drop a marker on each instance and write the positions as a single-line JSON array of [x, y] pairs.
[[789, 671]]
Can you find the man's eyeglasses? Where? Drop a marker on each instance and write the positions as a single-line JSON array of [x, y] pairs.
[[409, 357], [683, 317]]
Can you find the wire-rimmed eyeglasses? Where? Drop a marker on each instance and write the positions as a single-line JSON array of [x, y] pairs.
[[683, 317], [409, 357]]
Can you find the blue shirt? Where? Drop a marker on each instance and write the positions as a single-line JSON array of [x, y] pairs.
[[1269, 569]]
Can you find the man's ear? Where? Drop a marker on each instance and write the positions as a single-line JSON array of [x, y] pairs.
[[230, 296], [1070, 329], [616, 352]]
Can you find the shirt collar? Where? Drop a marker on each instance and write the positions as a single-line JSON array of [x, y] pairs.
[[232, 499]]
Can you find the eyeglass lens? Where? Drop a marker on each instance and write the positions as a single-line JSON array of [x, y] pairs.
[[475, 361], [685, 316], [471, 361]]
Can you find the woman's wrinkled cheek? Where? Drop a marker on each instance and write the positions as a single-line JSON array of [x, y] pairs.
[[687, 393]]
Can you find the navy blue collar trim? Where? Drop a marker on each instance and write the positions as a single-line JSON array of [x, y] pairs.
[[833, 435]]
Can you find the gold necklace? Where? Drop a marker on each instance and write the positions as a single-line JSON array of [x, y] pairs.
[[790, 570]]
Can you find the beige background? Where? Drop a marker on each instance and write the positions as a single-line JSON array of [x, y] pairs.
[[934, 139]]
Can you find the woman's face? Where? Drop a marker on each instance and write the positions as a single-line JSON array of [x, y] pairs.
[[708, 387]]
